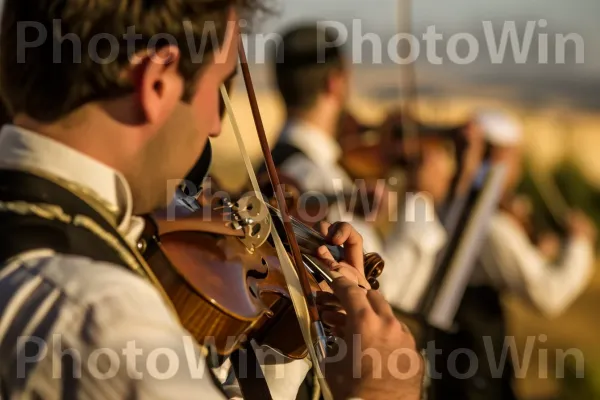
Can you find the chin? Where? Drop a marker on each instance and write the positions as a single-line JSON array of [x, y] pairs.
[[150, 202]]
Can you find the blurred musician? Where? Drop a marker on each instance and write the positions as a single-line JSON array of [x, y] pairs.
[[509, 262], [312, 76]]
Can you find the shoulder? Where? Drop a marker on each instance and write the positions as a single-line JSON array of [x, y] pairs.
[[298, 161], [107, 291], [504, 225], [308, 174]]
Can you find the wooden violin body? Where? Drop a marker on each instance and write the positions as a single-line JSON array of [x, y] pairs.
[[223, 293], [387, 146], [226, 292]]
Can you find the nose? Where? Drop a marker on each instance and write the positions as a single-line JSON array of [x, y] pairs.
[[215, 130]]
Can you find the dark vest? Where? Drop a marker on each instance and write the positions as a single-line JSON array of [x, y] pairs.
[[20, 232], [280, 153], [480, 315]]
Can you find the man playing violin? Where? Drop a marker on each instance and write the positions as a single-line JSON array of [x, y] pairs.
[[97, 132], [313, 76]]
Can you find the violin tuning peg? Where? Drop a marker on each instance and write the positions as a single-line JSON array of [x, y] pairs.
[[374, 283]]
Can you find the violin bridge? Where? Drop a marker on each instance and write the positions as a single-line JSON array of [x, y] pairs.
[[250, 215]]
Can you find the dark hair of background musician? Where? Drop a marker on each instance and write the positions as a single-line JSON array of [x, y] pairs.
[[303, 63], [47, 90]]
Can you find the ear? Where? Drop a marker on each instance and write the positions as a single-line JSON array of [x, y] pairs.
[[337, 84], [158, 85]]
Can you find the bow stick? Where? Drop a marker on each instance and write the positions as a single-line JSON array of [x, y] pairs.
[[277, 188]]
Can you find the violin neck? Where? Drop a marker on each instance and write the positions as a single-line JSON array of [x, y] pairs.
[[309, 240]]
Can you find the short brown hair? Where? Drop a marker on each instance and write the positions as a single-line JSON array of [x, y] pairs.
[[33, 83], [303, 62]]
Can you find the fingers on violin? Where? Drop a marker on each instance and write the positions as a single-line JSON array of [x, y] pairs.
[[353, 299], [342, 233], [326, 300], [379, 304], [325, 255], [347, 271], [324, 228], [353, 274], [339, 232], [334, 319]]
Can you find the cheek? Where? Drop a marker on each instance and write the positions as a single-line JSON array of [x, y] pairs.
[[206, 109]]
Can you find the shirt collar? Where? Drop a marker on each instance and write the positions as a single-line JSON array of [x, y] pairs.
[[24, 149], [318, 146]]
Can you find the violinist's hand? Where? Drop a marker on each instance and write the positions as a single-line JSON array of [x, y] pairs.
[[549, 245], [379, 359], [353, 267], [579, 225]]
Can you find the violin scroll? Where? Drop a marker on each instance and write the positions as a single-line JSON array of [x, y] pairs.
[[374, 265]]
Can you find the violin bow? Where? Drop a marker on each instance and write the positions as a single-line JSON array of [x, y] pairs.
[[318, 352], [410, 129], [546, 186]]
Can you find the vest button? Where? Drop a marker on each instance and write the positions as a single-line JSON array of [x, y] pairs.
[[142, 245]]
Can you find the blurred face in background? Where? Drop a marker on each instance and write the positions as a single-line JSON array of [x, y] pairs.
[[437, 170]]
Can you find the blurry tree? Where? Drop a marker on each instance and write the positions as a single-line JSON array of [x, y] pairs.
[[574, 388], [575, 188]]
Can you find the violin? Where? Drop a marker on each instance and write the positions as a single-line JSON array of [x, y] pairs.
[[372, 151], [388, 148], [225, 285], [220, 269], [363, 153]]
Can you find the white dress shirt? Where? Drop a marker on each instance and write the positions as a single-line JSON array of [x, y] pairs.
[[409, 251], [511, 262], [77, 305]]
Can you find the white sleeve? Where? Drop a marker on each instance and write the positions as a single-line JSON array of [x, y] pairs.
[[513, 261], [159, 359], [307, 174], [284, 375], [410, 253], [104, 333], [169, 362]]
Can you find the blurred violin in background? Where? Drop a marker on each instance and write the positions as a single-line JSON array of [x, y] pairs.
[[376, 152]]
